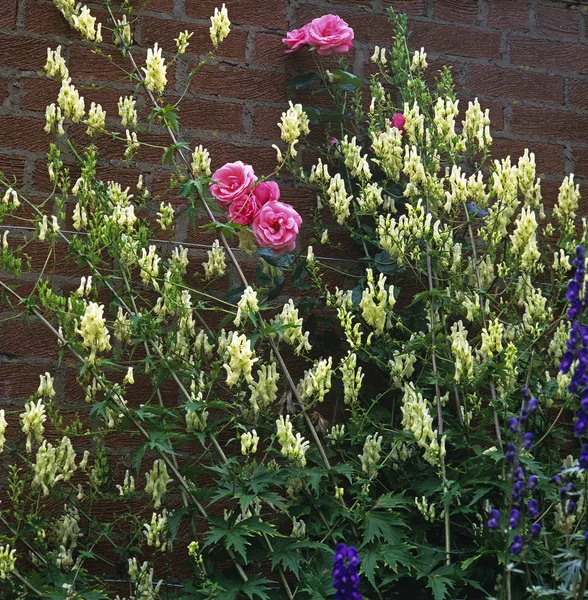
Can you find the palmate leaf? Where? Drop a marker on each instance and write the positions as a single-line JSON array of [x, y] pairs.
[[382, 526], [233, 537], [255, 587], [439, 585], [286, 553]]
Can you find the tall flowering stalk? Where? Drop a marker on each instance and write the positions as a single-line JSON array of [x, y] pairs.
[[356, 408]]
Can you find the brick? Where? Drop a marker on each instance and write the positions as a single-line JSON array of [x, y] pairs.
[[123, 174], [213, 116], [265, 122], [38, 93], [155, 5], [12, 167], [43, 17], [512, 15], [557, 22], [19, 381], [549, 193], [454, 40], [3, 90], [114, 149], [410, 7], [511, 83], [581, 164], [8, 14], [243, 12], [237, 82], [549, 157], [10, 303], [22, 52], [550, 123], [23, 133], [561, 56], [354, 3], [459, 11], [85, 64], [60, 262], [164, 31], [270, 51], [20, 339], [578, 93]]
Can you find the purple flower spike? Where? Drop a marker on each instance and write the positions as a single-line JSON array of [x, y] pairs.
[[494, 520], [345, 578], [535, 530]]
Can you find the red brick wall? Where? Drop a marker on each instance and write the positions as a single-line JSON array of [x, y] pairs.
[[527, 61]]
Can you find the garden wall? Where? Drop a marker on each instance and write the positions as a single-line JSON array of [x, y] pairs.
[[527, 61]]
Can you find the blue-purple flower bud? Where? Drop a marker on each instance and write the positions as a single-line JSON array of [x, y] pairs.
[[535, 530], [533, 509], [533, 405], [517, 545], [532, 482], [515, 517], [511, 453], [494, 519], [528, 440]]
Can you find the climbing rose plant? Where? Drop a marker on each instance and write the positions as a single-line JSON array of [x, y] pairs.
[[382, 410]]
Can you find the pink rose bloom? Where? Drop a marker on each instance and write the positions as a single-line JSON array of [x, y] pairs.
[[329, 34], [243, 209], [232, 181], [295, 39], [266, 191], [398, 121], [276, 226]]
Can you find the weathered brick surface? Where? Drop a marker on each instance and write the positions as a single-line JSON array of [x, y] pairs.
[[8, 14], [549, 54], [526, 60], [457, 11], [558, 22], [515, 83]]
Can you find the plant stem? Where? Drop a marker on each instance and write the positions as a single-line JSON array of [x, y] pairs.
[[478, 280]]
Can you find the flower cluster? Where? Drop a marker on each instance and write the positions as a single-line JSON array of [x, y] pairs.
[[293, 446], [326, 35], [345, 577], [520, 484], [575, 358], [157, 480], [275, 224]]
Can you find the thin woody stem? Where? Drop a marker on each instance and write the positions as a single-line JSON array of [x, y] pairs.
[[478, 280], [143, 432], [241, 276]]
